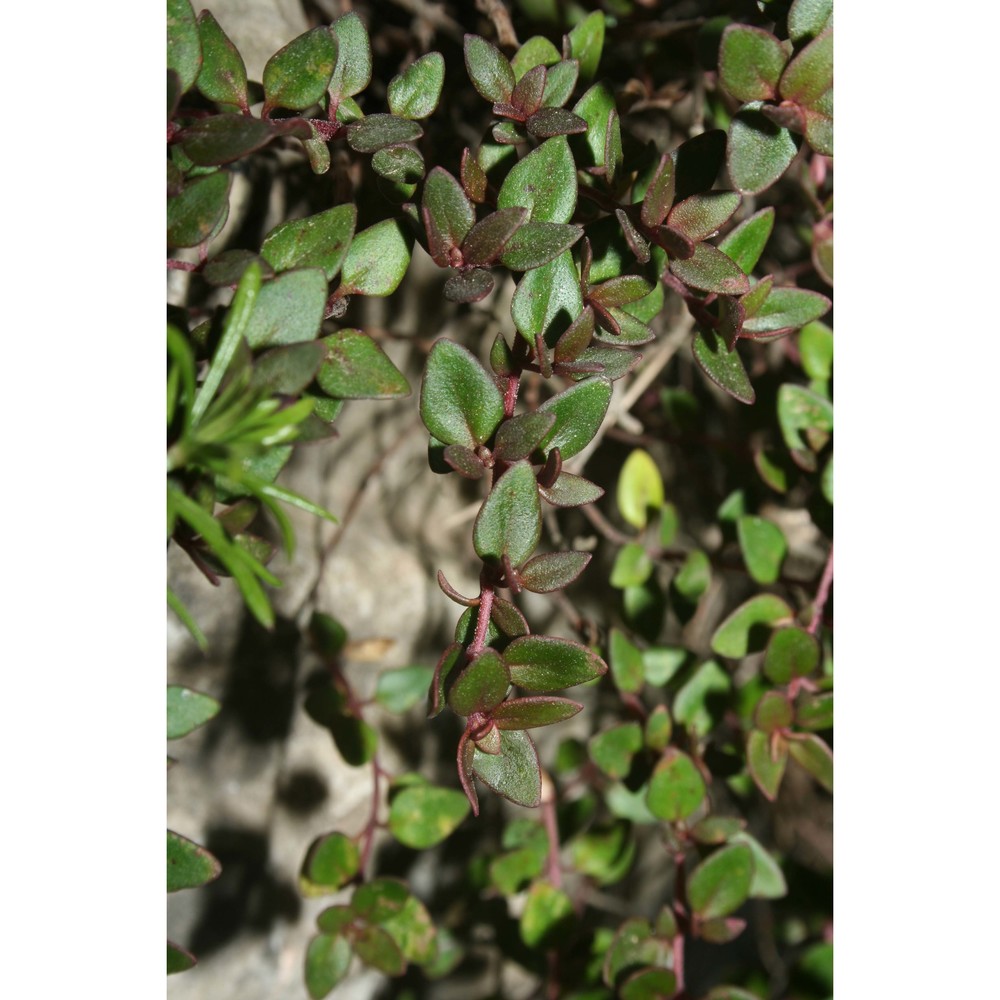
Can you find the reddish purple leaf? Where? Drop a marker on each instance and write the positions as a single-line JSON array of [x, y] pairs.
[[530, 713]]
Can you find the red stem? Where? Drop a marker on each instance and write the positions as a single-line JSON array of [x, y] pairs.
[[486, 594], [822, 594]]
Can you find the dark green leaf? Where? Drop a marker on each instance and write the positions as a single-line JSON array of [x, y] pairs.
[[571, 491], [536, 51], [801, 409], [459, 400], [766, 759], [448, 216], [773, 712], [327, 959], [227, 267], [424, 815], [465, 628], [815, 756], [633, 946], [701, 215], [809, 76], [188, 865], [746, 242], [548, 122], [514, 772], [552, 571], [468, 286], [785, 309], [374, 132], [355, 740], [547, 300], [179, 959], [223, 76], [488, 238], [722, 366], [510, 521], [521, 435], [183, 43], [808, 18], [560, 82], [547, 916], [649, 984], [297, 75], [400, 163], [221, 139], [537, 243], [354, 58], [710, 270], [481, 686], [526, 98], [586, 41], [194, 214], [677, 788], [697, 163], [317, 241], [717, 829], [626, 663], [612, 751], [331, 862], [758, 152], [376, 948], [377, 259], [490, 72], [289, 309], [451, 658], [399, 690], [750, 63], [187, 710], [544, 182], [579, 411], [597, 109], [768, 881], [532, 712], [508, 619], [355, 367], [763, 546], [640, 487], [815, 712], [660, 193], [328, 636], [721, 883], [416, 91], [542, 663], [791, 652]]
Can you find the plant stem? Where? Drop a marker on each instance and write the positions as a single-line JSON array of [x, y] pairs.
[[486, 594], [822, 594]]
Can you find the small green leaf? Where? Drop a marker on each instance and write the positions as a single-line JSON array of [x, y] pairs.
[[355, 367], [399, 690], [766, 759], [809, 76], [533, 712], [750, 63], [354, 58], [605, 852], [356, 741], [481, 686], [758, 151], [543, 663], [633, 946], [510, 871], [317, 241], [188, 865], [413, 930], [549, 122], [211, 142], [612, 750], [710, 270], [374, 132], [400, 163], [448, 215], [748, 628], [377, 259], [327, 959], [640, 488], [746, 242], [722, 365], [791, 652], [544, 182], [560, 83], [223, 76], [632, 567], [627, 666], [586, 41], [183, 43], [187, 710], [552, 570], [815, 756], [579, 411], [808, 18], [815, 712], [763, 546], [702, 700], [697, 163], [571, 491], [179, 959], [513, 773], [331, 862], [488, 237], [816, 350], [289, 309], [717, 829], [701, 215], [801, 409], [773, 712], [768, 881], [694, 576], [785, 309], [597, 108], [547, 916], [468, 286], [490, 72], [415, 92], [677, 788], [424, 815], [297, 75], [662, 662], [375, 947], [536, 51], [721, 883], [547, 300], [194, 214], [537, 243], [510, 521]]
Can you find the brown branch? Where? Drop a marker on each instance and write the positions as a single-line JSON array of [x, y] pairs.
[[499, 15]]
